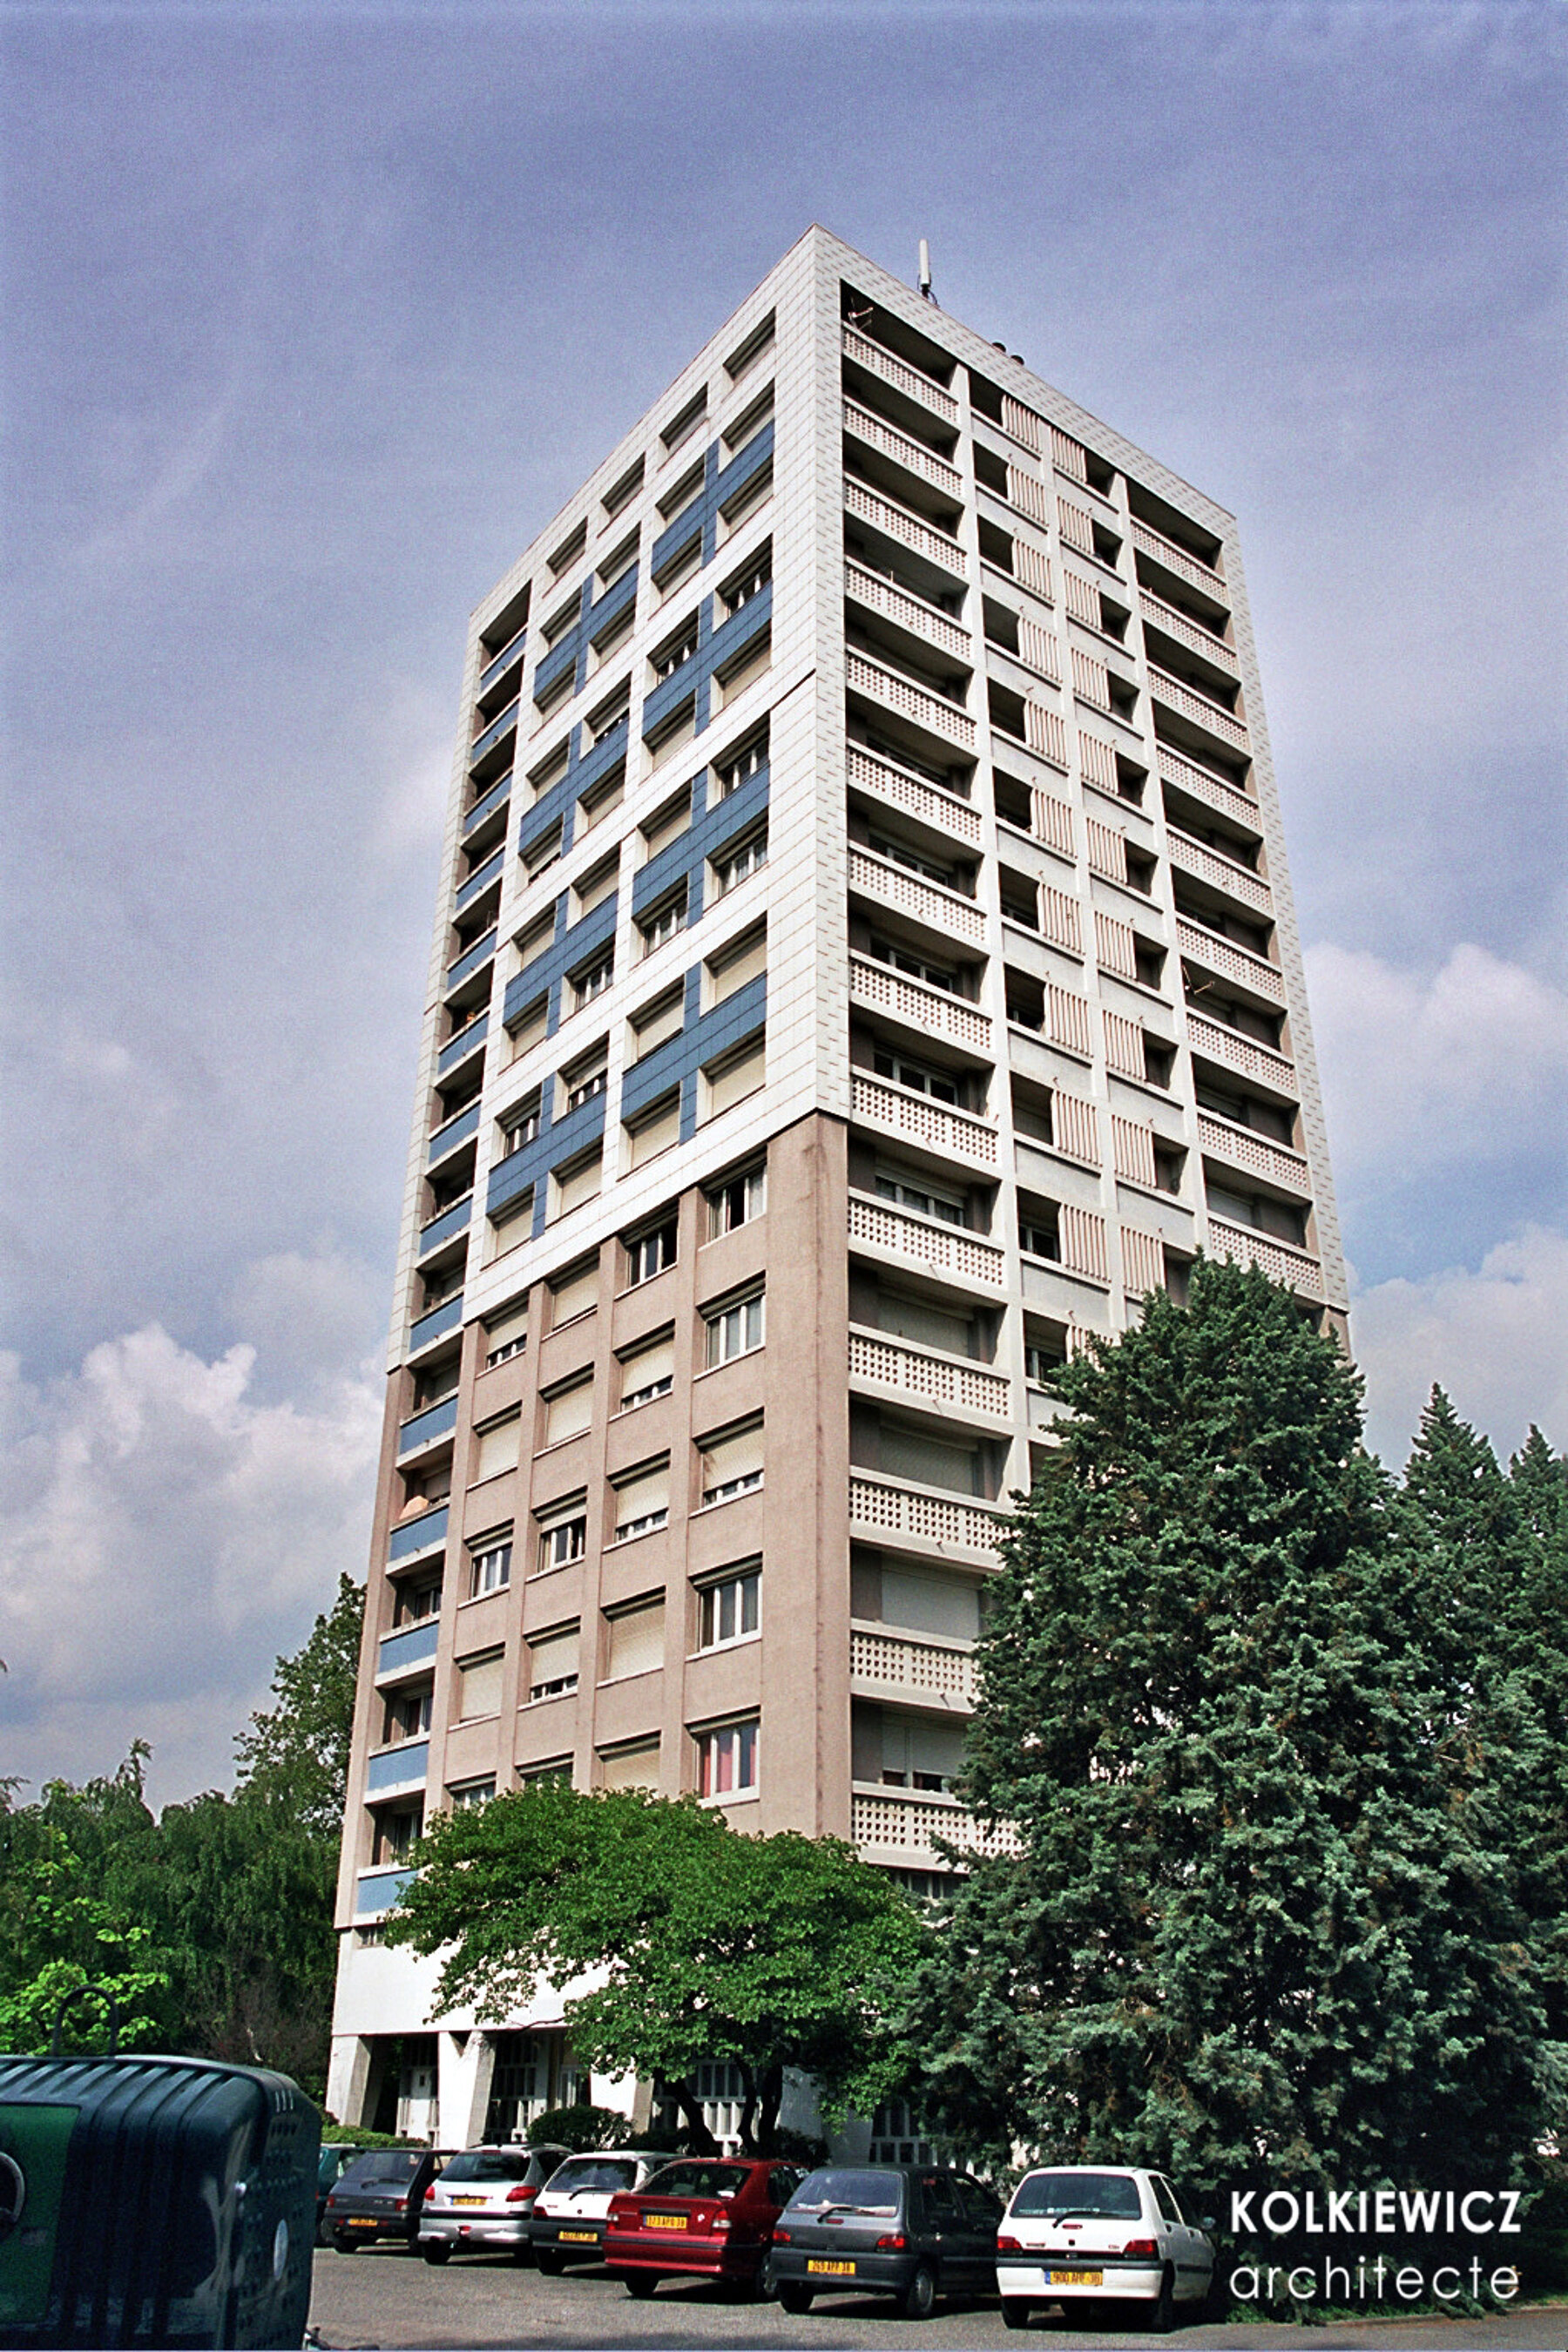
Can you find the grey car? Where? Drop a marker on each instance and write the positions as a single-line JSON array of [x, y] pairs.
[[483, 2201]]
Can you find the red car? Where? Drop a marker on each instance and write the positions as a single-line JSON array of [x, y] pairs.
[[702, 2216]]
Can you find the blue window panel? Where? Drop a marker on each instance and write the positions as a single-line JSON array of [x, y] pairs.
[[398, 1767], [561, 1141], [720, 483], [409, 1647], [716, 648], [426, 1426], [493, 734], [441, 1319], [569, 948], [568, 657], [656, 1072], [377, 1891], [584, 769], [456, 1130], [498, 664], [496, 798], [442, 1228], [415, 1536], [679, 1058], [466, 965]]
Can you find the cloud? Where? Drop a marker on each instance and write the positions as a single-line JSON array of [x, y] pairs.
[[1493, 1338], [164, 1536]]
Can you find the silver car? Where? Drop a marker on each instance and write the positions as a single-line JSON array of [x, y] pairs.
[[1085, 2235], [482, 2202]]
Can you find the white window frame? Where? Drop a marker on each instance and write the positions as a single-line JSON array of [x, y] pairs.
[[736, 1328], [489, 1569], [710, 1601], [728, 1760]]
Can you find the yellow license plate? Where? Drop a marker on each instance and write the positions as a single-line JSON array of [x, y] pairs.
[[467, 2200], [361, 2222], [831, 2270], [580, 2237], [667, 2221], [1075, 2278]]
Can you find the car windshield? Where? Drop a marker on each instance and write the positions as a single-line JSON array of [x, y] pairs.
[[698, 2180], [489, 2164], [590, 2172], [838, 2189], [397, 2165], [1097, 2196]]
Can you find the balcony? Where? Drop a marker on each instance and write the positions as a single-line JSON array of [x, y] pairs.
[[456, 1132], [914, 455], [1220, 873], [427, 1329], [413, 1537], [412, 1645], [931, 711], [1253, 973], [939, 909], [1157, 615], [938, 547], [1235, 1051], [893, 1821], [471, 961], [498, 664], [900, 375], [933, 1012], [438, 1421], [446, 1227], [882, 1664], [947, 1251], [908, 611], [943, 811], [945, 1381], [1197, 709], [952, 1134], [1291, 1267], [467, 1041], [496, 732], [488, 805], [1179, 560], [1242, 1147], [479, 881], [376, 1892], [1213, 790], [398, 1767], [943, 1523]]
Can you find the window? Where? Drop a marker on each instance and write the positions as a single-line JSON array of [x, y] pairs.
[[497, 1448], [738, 767], [574, 1292], [899, 853], [726, 1760], [593, 888], [407, 1716], [748, 500], [751, 581], [667, 824], [541, 853], [606, 716], [1042, 1359], [594, 806], [919, 1077], [738, 962], [630, 1768], [667, 918], [738, 1200], [737, 865], [730, 1610], [621, 558], [747, 354], [735, 1078], [1037, 1234], [555, 1771], [583, 1087], [919, 967], [622, 492], [683, 425], [569, 1411], [563, 1540], [519, 1126], [653, 1024], [733, 680], [415, 1602], [468, 1794], [750, 422], [735, 1330], [923, 1199], [479, 1684], [397, 1833], [506, 1335], [655, 1129], [492, 1568], [636, 1640], [642, 1502], [674, 653], [579, 1183], [590, 981], [731, 1463], [569, 548], [650, 1253], [917, 1754], [552, 1663], [647, 1374]]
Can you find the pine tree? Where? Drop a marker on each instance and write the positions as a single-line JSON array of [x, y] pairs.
[[1260, 1925]]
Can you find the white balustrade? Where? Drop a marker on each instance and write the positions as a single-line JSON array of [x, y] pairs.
[[905, 451], [911, 613], [1238, 963], [1180, 560], [1243, 1053], [1187, 631], [944, 911], [910, 700], [883, 515], [1196, 707], [1282, 1264], [1243, 1148], [1221, 873], [963, 1387], [950, 1132], [897, 372], [944, 810], [941, 1248], [926, 1518], [935, 1011]]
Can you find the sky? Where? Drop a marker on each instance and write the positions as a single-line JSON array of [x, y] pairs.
[[315, 314]]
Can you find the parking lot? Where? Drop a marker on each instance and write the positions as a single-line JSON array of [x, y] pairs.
[[387, 2299]]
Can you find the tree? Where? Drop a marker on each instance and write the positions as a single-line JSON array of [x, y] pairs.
[[768, 1952], [1263, 1922], [60, 1934], [297, 1754]]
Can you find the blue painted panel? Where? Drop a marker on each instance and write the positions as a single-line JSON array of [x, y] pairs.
[[560, 662], [377, 1891], [456, 1130], [441, 1319], [732, 636], [441, 1229], [679, 1058], [426, 1426], [660, 875], [466, 965], [479, 881], [710, 834], [558, 805], [399, 1767], [719, 485], [493, 734], [457, 1049], [422, 1534], [566, 951], [561, 1141], [496, 798], [498, 664], [716, 648], [408, 1647], [663, 700]]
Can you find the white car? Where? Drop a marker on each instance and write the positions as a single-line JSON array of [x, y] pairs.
[[1083, 2234], [568, 2220]]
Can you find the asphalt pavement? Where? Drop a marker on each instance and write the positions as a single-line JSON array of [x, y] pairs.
[[383, 2300]]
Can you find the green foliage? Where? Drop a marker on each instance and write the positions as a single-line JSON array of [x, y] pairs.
[[581, 2128], [295, 1755], [58, 1937], [1265, 1922], [768, 1952]]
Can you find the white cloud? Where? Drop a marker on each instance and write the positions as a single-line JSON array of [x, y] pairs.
[[1492, 1339], [164, 1536]]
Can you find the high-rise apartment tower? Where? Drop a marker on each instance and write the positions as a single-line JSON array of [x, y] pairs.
[[864, 966]]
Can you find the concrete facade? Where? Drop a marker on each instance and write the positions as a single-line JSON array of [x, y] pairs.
[[865, 965]]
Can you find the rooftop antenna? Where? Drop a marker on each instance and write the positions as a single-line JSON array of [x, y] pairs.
[[926, 294]]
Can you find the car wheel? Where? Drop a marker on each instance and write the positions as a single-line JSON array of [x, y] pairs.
[[1163, 2318], [794, 2299], [437, 2253], [344, 2243], [641, 2283], [550, 2265], [1015, 2311], [918, 2300], [767, 2285]]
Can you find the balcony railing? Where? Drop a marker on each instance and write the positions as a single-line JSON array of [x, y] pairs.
[[471, 961], [950, 1132], [913, 455], [435, 1326], [941, 910], [493, 734], [1238, 963], [1180, 560], [398, 1767], [933, 1010], [928, 802], [1226, 874], [442, 1228], [1187, 632], [962, 1388], [427, 1533], [425, 1428], [940, 1249], [911, 613], [1226, 797], [1279, 1261], [479, 881], [487, 806], [902, 377], [1243, 1053], [888, 1819], [1196, 707], [899, 1661], [881, 513], [498, 664], [411, 1646], [456, 1130], [911, 701], [376, 1891], [1243, 1148], [942, 1520], [457, 1049]]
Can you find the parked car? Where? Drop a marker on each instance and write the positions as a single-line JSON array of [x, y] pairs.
[[703, 2217], [380, 2195], [911, 2231], [1082, 2235], [570, 2210], [336, 2156], [481, 2200]]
